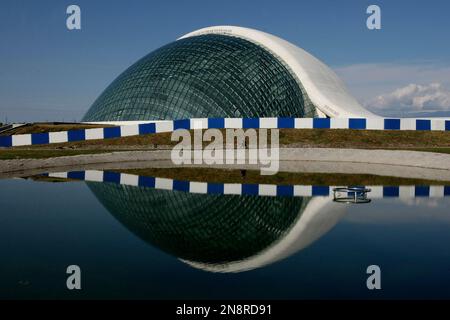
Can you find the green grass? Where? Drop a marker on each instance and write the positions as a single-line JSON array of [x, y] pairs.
[[43, 154], [50, 127], [437, 150], [375, 139], [429, 141]]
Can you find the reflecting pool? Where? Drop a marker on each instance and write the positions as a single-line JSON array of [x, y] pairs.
[[137, 236]]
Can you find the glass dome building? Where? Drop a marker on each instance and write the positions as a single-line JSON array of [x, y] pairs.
[[229, 72]]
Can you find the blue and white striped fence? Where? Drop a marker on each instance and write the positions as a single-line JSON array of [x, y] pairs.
[[225, 123], [246, 189]]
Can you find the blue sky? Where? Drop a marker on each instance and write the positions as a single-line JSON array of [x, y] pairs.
[[50, 73]]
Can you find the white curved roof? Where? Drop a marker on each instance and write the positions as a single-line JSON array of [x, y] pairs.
[[326, 91]]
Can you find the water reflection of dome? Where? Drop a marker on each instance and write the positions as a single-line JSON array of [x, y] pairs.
[[214, 232]]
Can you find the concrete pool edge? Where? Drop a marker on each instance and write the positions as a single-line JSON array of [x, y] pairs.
[[396, 163]]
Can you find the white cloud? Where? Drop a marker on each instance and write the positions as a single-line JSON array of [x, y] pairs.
[[413, 97], [399, 87]]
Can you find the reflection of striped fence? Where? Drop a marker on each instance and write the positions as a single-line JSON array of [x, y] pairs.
[[246, 189], [224, 123]]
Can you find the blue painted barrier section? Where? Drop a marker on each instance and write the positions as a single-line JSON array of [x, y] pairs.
[[225, 123], [392, 124], [40, 138], [148, 182], [357, 123], [285, 191], [182, 124], [216, 123], [250, 189], [391, 192], [215, 188], [250, 123], [146, 128], [423, 125], [6, 141], [179, 185], [112, 132], [321, 123], [76, 135]]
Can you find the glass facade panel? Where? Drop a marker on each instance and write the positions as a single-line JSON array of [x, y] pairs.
[[203, 76]]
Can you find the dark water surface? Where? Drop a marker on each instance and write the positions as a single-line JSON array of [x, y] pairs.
[[136, 242]]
